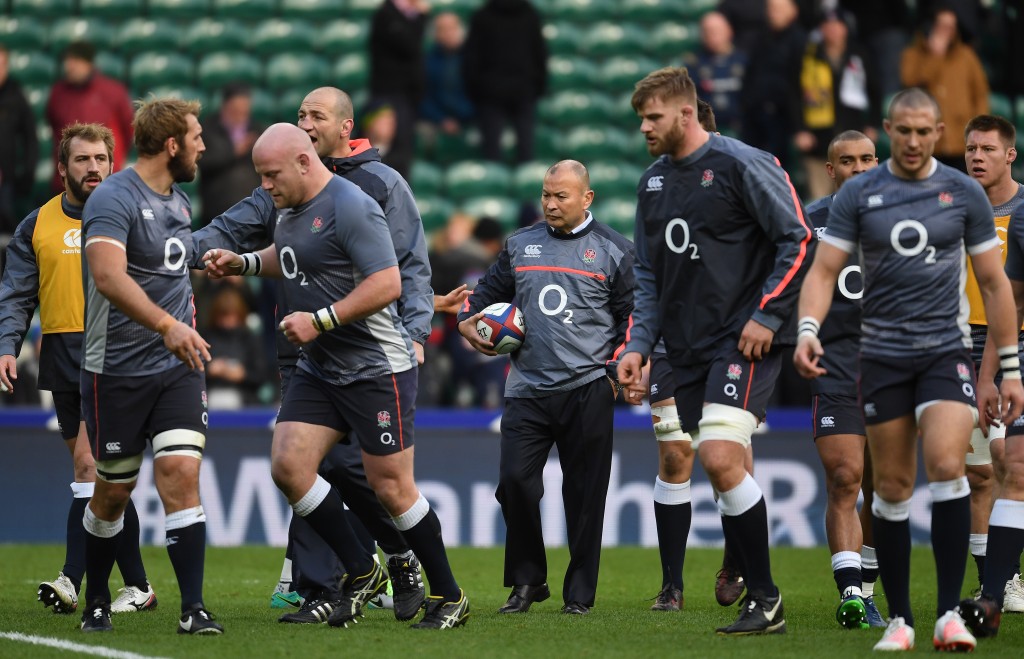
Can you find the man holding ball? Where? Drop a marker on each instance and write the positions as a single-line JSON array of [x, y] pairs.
[[572, 278]]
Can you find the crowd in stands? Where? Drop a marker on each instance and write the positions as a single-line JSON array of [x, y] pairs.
[[783, 75]]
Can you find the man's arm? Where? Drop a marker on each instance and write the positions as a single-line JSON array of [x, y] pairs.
[[19, 296], [416, 304], [245, 227], [815, 301], [108, 267], [1003, 323], [497, 285]]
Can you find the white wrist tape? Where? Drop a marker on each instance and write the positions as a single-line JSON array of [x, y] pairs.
[[1009, 362], [808, 325], [251, 265]]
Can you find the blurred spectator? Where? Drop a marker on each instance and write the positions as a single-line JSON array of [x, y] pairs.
[[505, 62], [446, 104], [838, 94], [239, 367], [1010, 22], [19, 150], [86, 95], [471, 247], [747, 19], [717, 71], [883, 27], [771, 93], [396, 70], [378, 124], [948, 69], [226, 173]]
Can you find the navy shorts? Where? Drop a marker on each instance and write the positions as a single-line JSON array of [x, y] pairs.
[[837, 414], [894, 387], [378, 411], [661, 380], [68, 406], [123, 412], [728, 379]]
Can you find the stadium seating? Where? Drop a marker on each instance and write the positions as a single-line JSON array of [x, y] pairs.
[[115, 9], [361, 9], [605, 39], [287, 102], [668, 41], [112, 66], [571, 72], [475, 178], [186, 94], [571, 108], [596, 142], [209, 35], [156, 69], [563, 38], [351, 71], [191, 9], [145, 34], [694, 9], [303, 70], [21, 32], [1001, 105], [244, 8], [618, 213], [528, 178], [37, 96], [40, 9], [217, 69], [461, 7], [33, 67], [277, 35], [264, 106], [503, 209], [312, 9], [652, 11], [581, 11], [342, 36], [619, 74], [66, 30], [611, 178], [426, 178], [434, 211]]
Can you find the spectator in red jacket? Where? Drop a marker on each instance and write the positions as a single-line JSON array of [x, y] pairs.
[[87, 96]]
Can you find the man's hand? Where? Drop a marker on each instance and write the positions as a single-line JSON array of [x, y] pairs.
[[418, 348], [452, 302], [1011, 402], [222, 263], [988, 404], [298, 327], [187, 345], [8, 373], [467, 329], [631, 371], [805, 357], [755, 341]]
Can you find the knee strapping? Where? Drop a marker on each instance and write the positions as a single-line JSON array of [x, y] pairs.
[[179, 442], [667, 428], [120, 470], [725, 422]]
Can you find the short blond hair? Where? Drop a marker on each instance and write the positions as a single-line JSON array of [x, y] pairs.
[[156, 119], [665, 83], [86, 133]]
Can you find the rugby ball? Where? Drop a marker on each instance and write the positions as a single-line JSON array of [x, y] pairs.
[[502, 325]]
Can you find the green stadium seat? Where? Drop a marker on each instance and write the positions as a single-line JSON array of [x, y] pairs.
[[244, 8], [158, 69], [186, 94], [447, 149], [570, 72], [116, 9], [276, 35], [66, 30], [461, 7], [264, 106], [44, 174], [434, 211], [528, 178], [286, 107], [112, 65], [620, 74], [571, 107], [312, 9], [21, 32], [503, 209], [624, 114], [351, 72], [40, 9], [476, 178], [606, 39], [613, 178], [33, 67], [37, 96], [218, 69], [652, 11], [426, 178], [190, 9], [595, 142], [618, 213], [362, 9], [1018, 106], [670, 40], [1001, 105], [563, 38], [145, 34], [343, 36], [302, 70], [581, 11], [694, 9], [211, 35]]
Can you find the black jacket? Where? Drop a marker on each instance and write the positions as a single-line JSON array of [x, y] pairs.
[[505, 57], [19, 148], [396, 53]]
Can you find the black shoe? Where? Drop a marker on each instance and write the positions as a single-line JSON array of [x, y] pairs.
[[576, 609], [669, 599], [198, 620], [757, 616], [523, 596], [729, 583], [406, 586], [981, 615], [96, 617], [355, 593], [444, 615], [313, 611]]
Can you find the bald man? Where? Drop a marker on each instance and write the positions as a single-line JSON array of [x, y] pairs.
[[573, 280], [333, 251]]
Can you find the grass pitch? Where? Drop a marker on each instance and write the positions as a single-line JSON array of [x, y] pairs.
[[239, 582]]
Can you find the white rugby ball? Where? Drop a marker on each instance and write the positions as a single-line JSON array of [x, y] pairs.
[[502, 325]]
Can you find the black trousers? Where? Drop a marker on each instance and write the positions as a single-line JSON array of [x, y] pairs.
[[581, 424], [315, 567], [492, 118]]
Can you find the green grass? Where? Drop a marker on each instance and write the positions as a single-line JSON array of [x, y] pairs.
[[239, 582]]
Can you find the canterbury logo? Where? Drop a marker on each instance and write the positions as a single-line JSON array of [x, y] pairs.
[[532, 250], [655, 183], [73, 238]]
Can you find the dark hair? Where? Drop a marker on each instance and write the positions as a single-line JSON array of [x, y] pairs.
[[986, 122], [845, 136], [706, 116], [80, 50], [233, 89], [488, 228], [667, 82]]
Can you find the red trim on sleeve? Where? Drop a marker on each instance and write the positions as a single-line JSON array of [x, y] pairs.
[[803, 245], [620, 348]]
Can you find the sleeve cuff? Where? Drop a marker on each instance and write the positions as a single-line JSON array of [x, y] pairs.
[[840, 243], [768, 320], [983, 247]]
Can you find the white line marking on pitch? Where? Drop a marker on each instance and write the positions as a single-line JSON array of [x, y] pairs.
[[61, 644]]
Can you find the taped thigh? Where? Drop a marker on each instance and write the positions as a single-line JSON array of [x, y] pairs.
[[979, 454], [667, 428], [725, 422], [119, 470], [187, 443]]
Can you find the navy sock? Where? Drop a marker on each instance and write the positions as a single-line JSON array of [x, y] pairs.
[[847, 577], [673, 522], [892, 545], [748, 540], [129, 555], [330, 520], [186, 547], [425, 539], [99, 562], [74, 552], [366, 540], [979, 562], [1004, 547], [951, 530]]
